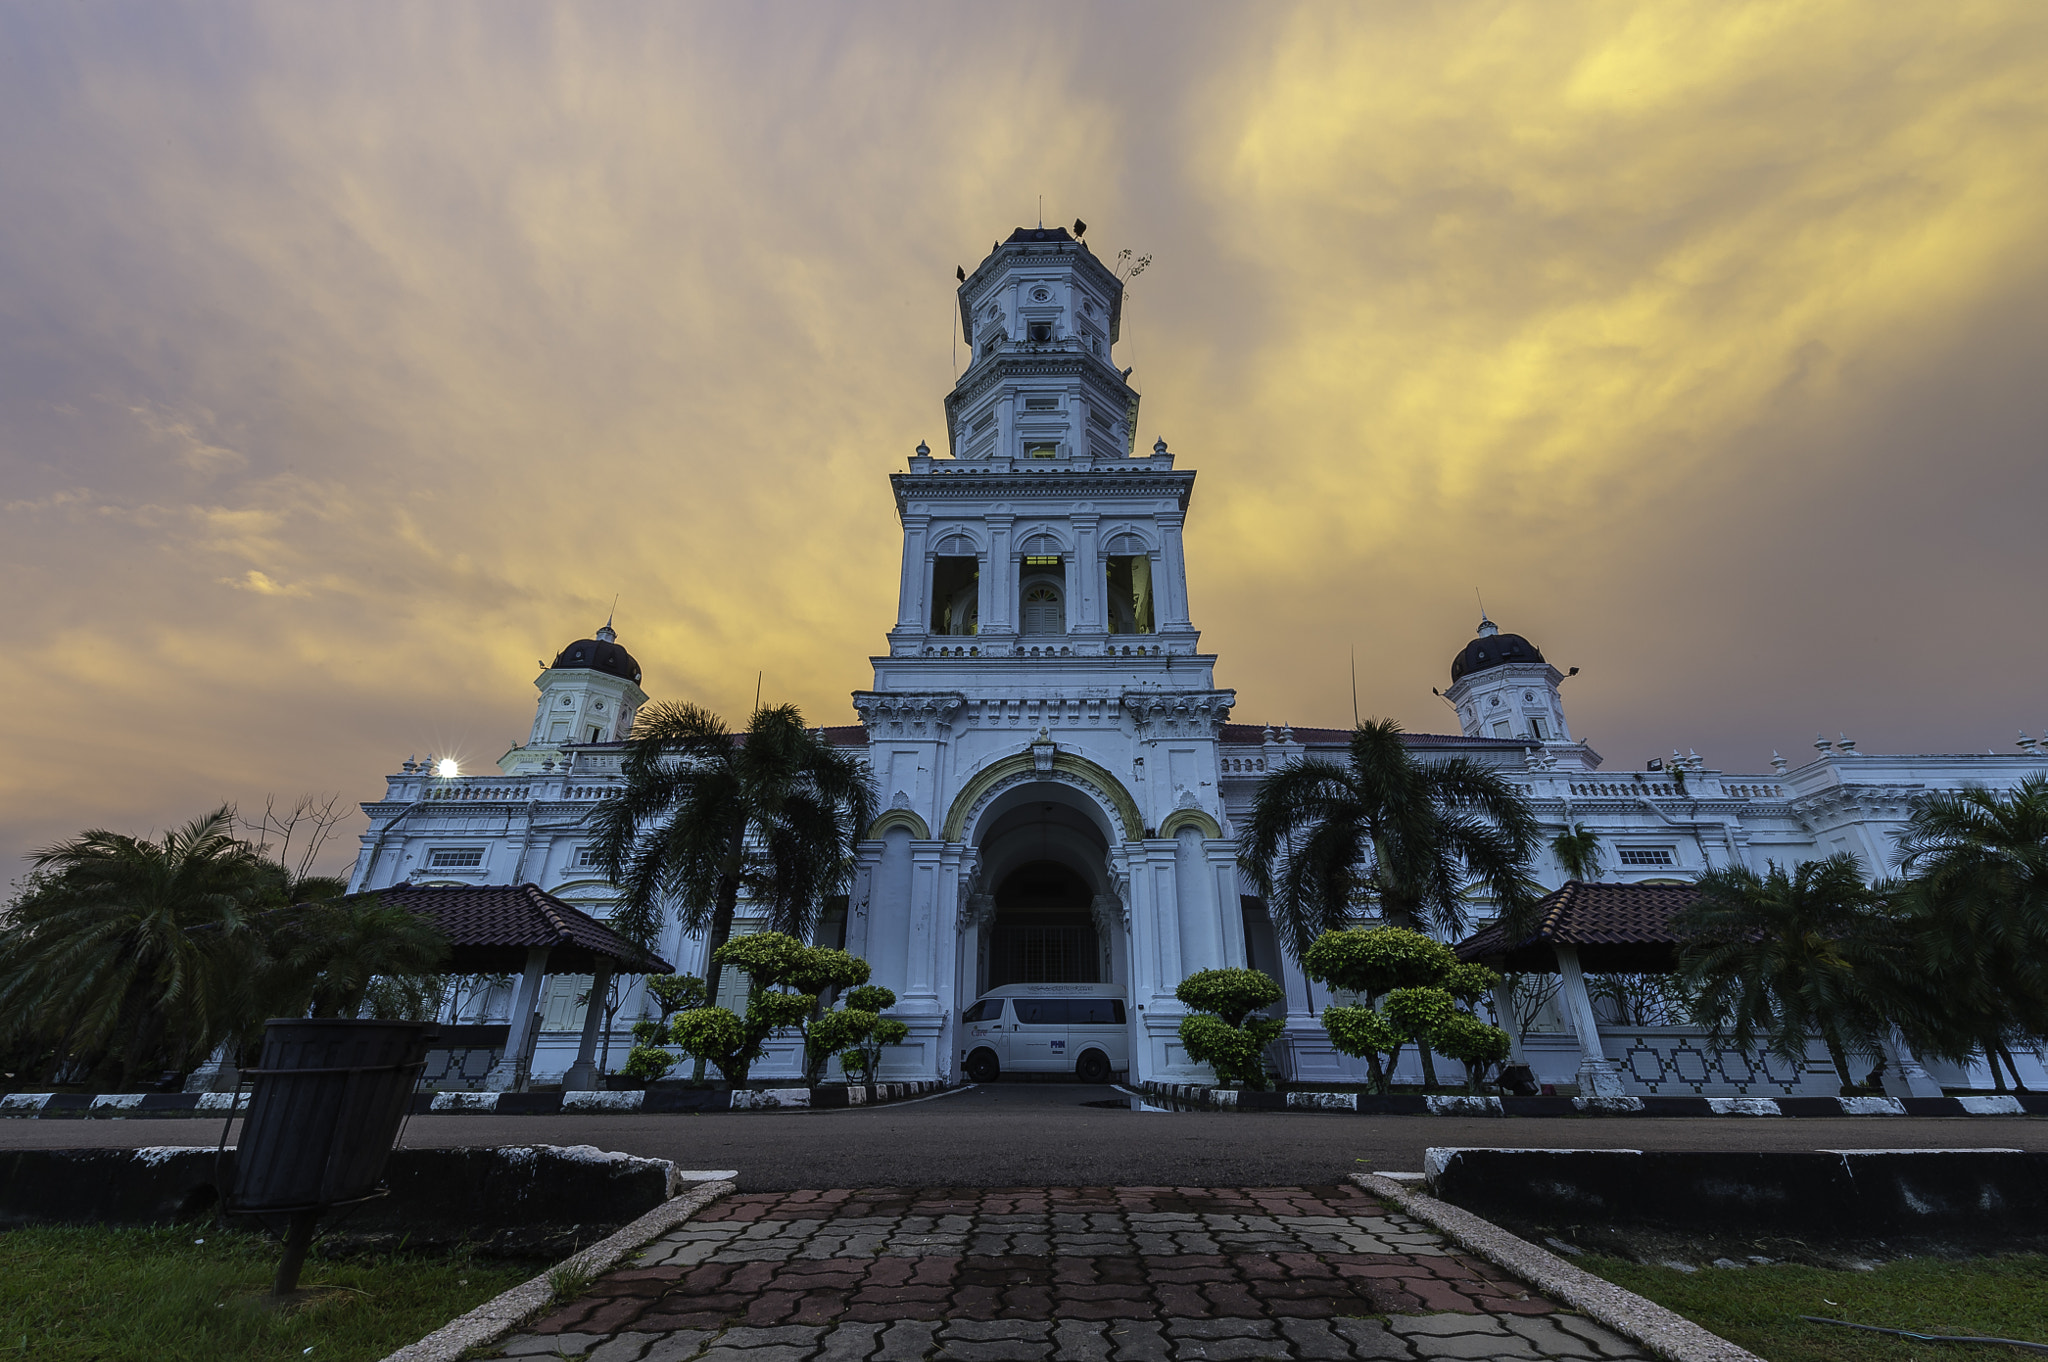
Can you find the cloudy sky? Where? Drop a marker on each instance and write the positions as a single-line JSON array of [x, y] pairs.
[[353, 357]]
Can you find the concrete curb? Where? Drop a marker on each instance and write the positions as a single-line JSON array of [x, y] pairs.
[[32, 1106], [1669, 1335], [1203, 1097], [500, 1315]]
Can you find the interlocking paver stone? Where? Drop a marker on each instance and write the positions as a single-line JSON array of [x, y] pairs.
[[1077, 1274]]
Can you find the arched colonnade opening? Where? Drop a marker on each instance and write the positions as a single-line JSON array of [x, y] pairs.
[[1043, 903]]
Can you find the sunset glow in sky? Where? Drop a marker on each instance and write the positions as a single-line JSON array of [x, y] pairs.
[[353, 357]]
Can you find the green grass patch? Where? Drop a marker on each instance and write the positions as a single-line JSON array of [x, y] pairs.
[[1759, 1307], [99, 1294]]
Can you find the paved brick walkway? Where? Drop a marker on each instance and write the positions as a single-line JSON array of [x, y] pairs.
[[1085, 1274]]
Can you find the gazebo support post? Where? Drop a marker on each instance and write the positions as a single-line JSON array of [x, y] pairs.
[[510, 1074], [1904, 1075], [1598, 1077], [1504, 1013], [582, 1075]]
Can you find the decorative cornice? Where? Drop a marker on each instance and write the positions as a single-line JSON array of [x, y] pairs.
[[1161, 714], [963, 480], [907, 713]]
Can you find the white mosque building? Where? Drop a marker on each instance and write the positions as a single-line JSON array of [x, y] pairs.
[[1062, 778]]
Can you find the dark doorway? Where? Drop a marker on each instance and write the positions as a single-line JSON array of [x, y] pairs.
[[1044, 930]]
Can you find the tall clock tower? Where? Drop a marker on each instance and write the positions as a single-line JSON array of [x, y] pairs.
[[1044, 727]]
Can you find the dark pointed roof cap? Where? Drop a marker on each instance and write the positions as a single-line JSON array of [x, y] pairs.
[[1492, 649], [600, 654]]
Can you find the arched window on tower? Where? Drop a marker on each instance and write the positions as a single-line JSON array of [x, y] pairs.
[[956, 587], [1042, 587], [1128, 569], [1045, 612]]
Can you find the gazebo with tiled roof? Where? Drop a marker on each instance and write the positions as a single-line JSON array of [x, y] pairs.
[[1612, 928], [1604, 928], [521, 929]]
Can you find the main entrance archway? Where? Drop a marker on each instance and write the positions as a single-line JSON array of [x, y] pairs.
[[1045, 909]]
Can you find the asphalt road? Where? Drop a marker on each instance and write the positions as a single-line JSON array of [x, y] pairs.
[[1045, 1134]]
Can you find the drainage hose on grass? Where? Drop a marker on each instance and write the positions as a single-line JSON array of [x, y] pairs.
[[1930, 1338]]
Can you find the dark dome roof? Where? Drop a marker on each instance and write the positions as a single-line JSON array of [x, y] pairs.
[[1492, 649], [600, 654]]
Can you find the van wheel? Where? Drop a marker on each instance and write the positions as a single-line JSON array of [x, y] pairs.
[[982, 1066], [1093, 1068]]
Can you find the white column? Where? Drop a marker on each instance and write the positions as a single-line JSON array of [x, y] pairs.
[[1201, 935], [1504, 1013], [217, 1074], [1088, 589], [1903, 1074], [1229, 907], [582, 1076], [1170, 588], [911, 614], [510, 1073], [999, 579], [1598, 1077]]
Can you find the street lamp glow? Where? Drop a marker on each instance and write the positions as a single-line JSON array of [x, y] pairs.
[[447, 769]]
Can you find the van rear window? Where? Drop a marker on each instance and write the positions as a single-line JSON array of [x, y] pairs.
[[988, 1009], [1070, 1011]]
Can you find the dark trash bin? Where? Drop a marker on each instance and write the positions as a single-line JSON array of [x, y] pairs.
[[328, 1098]]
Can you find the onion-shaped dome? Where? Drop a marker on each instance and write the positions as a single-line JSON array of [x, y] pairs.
[[1492, 649], [600, 654]]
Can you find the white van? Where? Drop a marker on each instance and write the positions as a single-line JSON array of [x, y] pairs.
[[1077, 1029]]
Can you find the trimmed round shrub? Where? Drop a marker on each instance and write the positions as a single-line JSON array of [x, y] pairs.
[[1469, 983], [1359, 1031], [1472, 1042], [1375, 960], [1234, 1052], [1418, 1013], [646, 1063], [715, 1035], [1232, 994], [837, 1031], [776, 1010], [823, 967], [871, 998], [764, 957]]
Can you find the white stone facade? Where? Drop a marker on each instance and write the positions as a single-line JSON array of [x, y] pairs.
[[1060, 780]]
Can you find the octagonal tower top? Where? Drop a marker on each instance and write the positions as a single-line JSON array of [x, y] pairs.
[[1040, 315]]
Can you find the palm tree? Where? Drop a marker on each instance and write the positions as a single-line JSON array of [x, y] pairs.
[[707, 816], [325, 956], [1979, 904], [131, 949], [1386, 832], [1786, 957], [1578, 850]]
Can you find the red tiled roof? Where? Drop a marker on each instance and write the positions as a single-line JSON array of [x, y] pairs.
[[492, 926], [1618, 928], [845, 735]]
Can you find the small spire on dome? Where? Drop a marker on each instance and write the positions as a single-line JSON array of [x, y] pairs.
[[1159, 445], [924, 451], [606, 634]]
